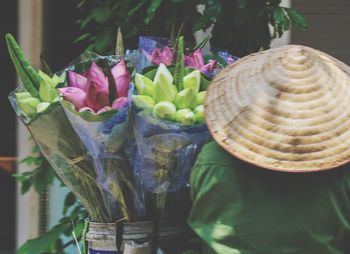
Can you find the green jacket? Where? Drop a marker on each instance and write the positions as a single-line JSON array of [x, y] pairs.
[[239, 208]]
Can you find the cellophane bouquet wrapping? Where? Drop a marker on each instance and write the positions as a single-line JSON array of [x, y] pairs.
[[36, 104], [104, 126], [123, 144], [168, 123]]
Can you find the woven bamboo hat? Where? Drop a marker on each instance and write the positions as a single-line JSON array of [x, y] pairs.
[[286, 109]]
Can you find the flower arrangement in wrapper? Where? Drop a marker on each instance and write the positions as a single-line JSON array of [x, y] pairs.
[[123, 145], [169, 128], [37, 105], [96, 104]]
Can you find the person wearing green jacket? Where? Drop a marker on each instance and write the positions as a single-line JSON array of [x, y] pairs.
[[276, 180]]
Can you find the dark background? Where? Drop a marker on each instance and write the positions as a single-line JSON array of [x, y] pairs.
[[59, 33], [8, 24]]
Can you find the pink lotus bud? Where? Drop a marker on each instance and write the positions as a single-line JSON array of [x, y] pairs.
[[158, 56], [74, 95], [97, 88], [209, 67], [120, 103], [195, 59], [77, 80], [122, 78]]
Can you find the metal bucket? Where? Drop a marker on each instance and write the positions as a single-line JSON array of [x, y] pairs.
[[135, 237]]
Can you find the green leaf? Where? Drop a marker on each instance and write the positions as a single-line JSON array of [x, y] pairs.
[[281, 19], [39, 181], [298, 20], [44, 65], [29, 160], [82, 37], [88, 116], [29, 76], [151, 11], [25, 186], [44, 242], [179, 64], [136, 8], [101, 14], [69, 201]]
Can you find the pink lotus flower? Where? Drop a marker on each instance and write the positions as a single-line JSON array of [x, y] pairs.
[[122, 78], [77, 80], [195, 60], [74, 95], [97, 88], [89, 91], [159, 56]]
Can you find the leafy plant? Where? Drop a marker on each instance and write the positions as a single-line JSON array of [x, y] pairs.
[[73, 214], [241, 26]]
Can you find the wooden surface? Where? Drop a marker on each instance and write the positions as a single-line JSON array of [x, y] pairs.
[[329, 23]]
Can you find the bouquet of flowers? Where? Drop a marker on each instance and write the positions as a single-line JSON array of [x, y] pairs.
[[124, 144], [37, 105]]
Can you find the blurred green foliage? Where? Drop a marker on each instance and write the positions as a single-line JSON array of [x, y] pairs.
[[240, 26]]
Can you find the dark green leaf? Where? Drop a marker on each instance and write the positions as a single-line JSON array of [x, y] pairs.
[[45, 67], [82, 37], [298, 20], [281, 19], [44, 242], [179, 64], [25, 186], [136, 8], [151, 11], [69, 200], [101, 14], [39, 182]]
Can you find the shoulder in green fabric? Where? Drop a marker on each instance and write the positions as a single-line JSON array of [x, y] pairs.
[[212, 153]]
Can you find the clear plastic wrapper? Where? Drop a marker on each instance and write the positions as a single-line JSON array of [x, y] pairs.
[[109, 141], [67, 155], [166, 152]]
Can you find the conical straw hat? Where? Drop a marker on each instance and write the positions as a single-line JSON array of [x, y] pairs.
[[285, 109]]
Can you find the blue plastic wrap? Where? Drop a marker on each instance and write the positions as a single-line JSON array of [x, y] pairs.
[[166, 152]]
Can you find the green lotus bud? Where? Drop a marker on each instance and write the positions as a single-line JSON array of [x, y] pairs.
[[164, 110], [185, 116], [28, 105], [200, 97], [56, 79], [22, 95], [163, 71], [163, 90], [144, 85], [143, 101], [193, 80], [186, 99], [53, 82], [41, 107], [199, 114], [47, 93]]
